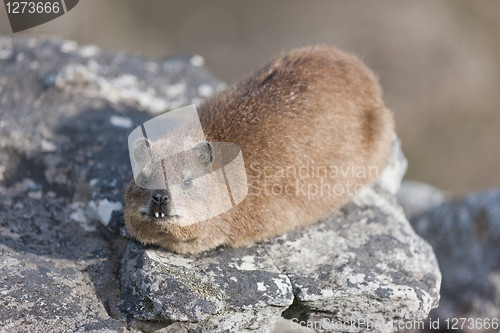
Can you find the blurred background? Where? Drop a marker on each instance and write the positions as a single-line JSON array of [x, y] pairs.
[[438, 62]]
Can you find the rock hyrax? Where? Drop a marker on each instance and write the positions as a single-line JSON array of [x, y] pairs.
[[313, 130]]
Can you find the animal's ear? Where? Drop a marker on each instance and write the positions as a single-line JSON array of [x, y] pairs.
[[204, 152], [141, 151]]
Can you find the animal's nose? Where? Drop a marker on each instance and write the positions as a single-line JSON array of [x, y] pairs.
[[160, 197]]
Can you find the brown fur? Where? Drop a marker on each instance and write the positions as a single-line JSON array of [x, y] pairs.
[[317, 106]]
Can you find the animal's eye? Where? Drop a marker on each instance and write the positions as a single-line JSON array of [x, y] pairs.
[[187, 184], [141, 181]]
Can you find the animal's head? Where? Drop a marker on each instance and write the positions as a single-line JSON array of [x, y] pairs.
[[173, 189]]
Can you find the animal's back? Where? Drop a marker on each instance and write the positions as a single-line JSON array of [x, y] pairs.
[[313, 130]]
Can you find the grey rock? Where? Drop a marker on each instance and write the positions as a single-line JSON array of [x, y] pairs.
[[465, 235], [226, 289], [55, 275], [63, 165], [363, 267], [417, 197], [65, 115]]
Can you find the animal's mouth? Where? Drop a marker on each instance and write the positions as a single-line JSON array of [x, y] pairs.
[[158, 214], [161, 215]]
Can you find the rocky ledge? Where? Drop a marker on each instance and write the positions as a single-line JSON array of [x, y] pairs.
[[65, 114]]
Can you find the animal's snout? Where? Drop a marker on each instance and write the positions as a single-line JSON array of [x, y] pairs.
[[160, 197]]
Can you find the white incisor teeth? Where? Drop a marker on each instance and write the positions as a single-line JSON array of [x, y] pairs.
[[162, 214], [157, 214]]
